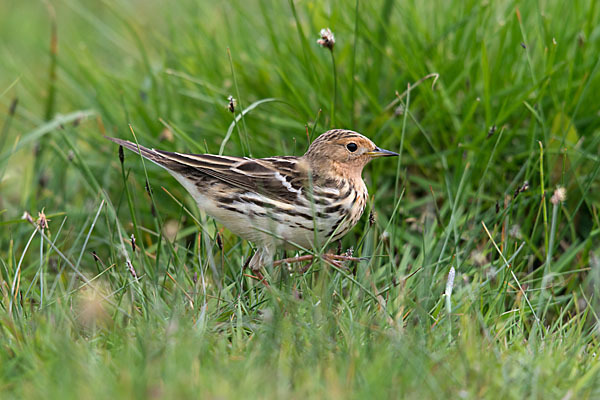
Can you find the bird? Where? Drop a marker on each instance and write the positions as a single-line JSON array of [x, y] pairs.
[[287, 202]]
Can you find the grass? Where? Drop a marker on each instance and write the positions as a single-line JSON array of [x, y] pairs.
[[512, 116]]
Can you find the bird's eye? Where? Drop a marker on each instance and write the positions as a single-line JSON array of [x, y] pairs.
[[352, 147]]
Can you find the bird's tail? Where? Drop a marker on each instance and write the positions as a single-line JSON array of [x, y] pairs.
[[159, 157]]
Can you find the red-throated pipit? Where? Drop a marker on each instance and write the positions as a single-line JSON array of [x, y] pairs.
[[281, 201]]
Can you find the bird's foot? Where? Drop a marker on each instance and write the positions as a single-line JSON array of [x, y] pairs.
[[254, 264], [332, 259], [259, 277], [293, 260]]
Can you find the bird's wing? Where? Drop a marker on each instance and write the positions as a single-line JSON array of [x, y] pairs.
[[280, 178]]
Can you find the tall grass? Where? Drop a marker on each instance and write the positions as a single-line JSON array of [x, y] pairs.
[[512, 116]]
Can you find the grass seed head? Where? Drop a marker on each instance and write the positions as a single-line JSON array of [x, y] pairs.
[[559, 196], [131, 270], [327, 39], [42, 221], [121, 154], [231, 105], [26, 216]]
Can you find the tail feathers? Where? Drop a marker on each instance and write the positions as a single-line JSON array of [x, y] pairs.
[[149, 154], [146, 152]]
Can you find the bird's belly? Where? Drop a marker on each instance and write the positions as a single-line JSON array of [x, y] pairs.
[[275, 230], [273, 224]]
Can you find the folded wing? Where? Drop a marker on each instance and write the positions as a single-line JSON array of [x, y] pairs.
[[280, 178]]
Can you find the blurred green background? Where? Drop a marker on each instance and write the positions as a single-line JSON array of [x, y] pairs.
[[513, 115]]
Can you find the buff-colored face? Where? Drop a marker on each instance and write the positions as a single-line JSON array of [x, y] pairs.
[[344, 149]]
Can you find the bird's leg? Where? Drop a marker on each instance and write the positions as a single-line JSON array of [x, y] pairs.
[[259, 277], [246, 263], [344, 257], [330, 258], [261, 257], [255, 263], [340, 260], [347, 256], [292, 260], [307, 266]]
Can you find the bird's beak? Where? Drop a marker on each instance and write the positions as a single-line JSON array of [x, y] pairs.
[[381, 153]]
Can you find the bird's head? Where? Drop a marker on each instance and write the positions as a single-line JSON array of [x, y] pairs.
[[342, 153]]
